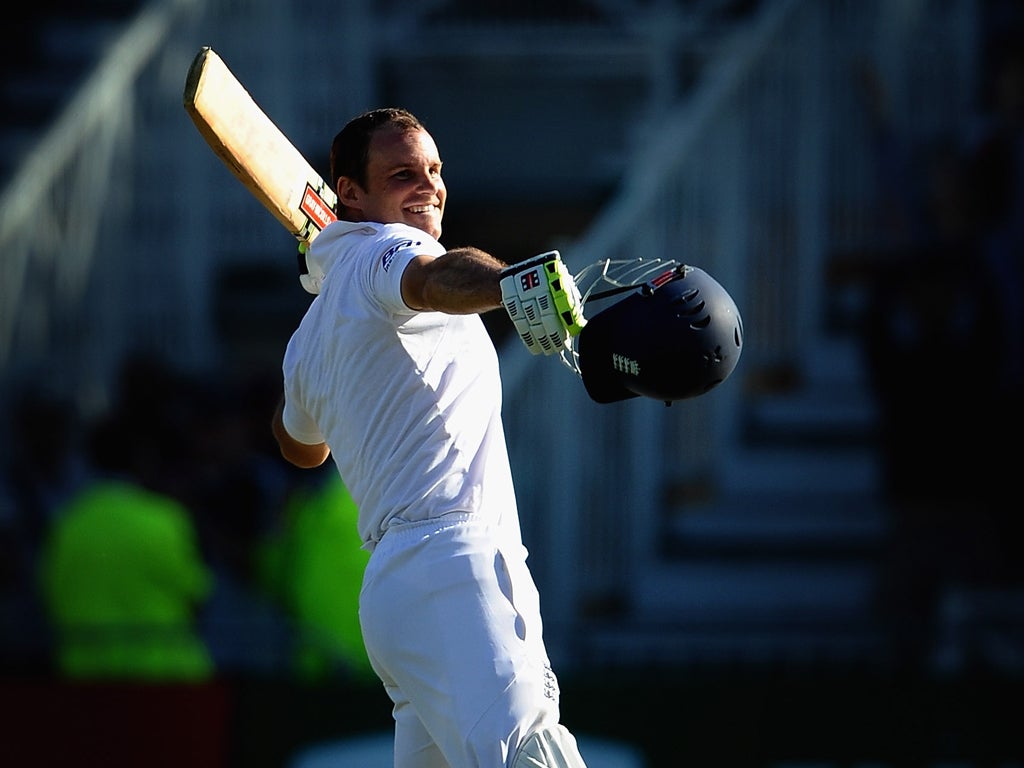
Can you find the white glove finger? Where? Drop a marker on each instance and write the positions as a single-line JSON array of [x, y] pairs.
[[523, 320], [548, 331]]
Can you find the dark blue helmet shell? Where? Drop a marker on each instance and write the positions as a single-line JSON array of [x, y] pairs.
[[676, 337]]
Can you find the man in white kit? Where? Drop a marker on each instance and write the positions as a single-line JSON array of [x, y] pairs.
[[392, 373]]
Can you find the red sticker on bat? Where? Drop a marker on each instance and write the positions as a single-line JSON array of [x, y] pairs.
[[318, 211]]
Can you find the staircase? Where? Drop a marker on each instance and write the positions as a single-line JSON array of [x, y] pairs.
[[776, 563]]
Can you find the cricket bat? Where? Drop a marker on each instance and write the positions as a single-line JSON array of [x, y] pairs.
[[255, 150]]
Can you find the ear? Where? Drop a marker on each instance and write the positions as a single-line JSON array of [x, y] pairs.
[[349, 193]]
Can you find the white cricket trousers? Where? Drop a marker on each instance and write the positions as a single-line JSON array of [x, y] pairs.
[[451, 621]]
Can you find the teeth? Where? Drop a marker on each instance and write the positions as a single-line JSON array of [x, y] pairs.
[[421, 208]]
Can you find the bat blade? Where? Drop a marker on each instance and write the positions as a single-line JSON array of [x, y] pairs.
[[255, 150]]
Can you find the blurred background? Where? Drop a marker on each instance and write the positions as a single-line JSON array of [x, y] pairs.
[[817, 563]]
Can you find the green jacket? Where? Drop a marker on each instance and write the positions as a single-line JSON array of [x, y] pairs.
[[123, 579]]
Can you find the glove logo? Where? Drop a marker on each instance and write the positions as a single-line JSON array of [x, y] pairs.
[[529, 279]]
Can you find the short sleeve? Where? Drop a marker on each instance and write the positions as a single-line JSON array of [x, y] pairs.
[[299, 424], [296, 419], [398, 245]]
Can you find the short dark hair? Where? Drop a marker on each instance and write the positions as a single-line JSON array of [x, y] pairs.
[[351, 147]]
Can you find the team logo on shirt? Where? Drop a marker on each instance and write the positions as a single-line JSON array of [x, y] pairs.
[[390, 253]]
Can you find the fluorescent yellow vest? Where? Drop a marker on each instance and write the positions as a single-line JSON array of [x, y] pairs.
[[316, 570], [122, 578]]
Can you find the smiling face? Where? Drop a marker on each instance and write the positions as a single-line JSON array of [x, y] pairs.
[[403, 182]]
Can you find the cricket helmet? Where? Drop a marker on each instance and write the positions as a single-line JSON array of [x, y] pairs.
[[675, 337]]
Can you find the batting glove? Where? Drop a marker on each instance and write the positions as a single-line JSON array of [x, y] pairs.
[[543, 302]]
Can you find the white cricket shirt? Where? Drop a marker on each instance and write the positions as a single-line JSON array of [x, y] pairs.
[[408, 402]]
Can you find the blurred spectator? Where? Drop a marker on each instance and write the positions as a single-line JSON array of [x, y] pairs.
[[314, 568], [121, 572], [240, 484], [928, 341], [43, 468], [943, 343], [996, 187], [239, 492]]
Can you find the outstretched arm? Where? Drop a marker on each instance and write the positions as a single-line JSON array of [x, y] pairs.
[[539, 294], [461, 281]]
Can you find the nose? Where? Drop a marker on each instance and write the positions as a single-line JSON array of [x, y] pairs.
[[432, 181]]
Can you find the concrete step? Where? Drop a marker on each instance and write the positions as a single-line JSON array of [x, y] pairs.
[[794, 470], [769, 590], [761, 611], [732, 646], [830, 403], [815, 437], [804, 525]]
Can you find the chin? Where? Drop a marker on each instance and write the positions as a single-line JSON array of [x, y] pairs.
[[434, 230]]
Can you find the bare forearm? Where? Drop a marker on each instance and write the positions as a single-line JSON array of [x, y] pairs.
[[461, 281]]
